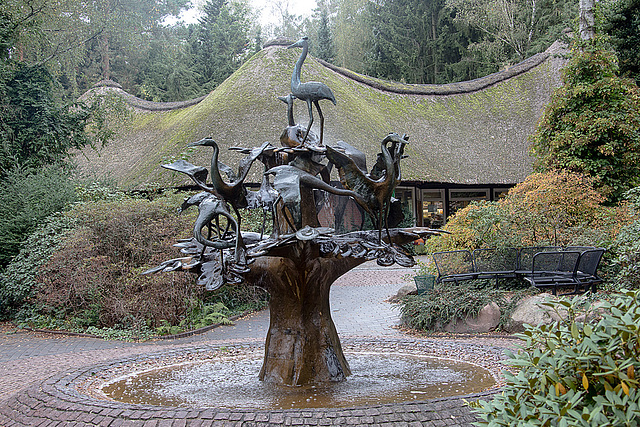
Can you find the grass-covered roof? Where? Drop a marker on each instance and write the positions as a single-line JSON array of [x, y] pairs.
[[468, 133]]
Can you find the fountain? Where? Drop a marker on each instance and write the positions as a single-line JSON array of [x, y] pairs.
[[300, 260]]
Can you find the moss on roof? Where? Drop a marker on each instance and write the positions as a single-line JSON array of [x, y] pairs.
[[476, 136]]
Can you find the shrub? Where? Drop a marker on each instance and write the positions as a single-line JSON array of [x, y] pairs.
[[627, 247], [27, 197], [592, 124], [95, 278], [436, 308], [18, 280], [553, 208], [574, 372]]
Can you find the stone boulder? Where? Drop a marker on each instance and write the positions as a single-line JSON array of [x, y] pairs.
[[409, 289], [487, 320], [530, 311]]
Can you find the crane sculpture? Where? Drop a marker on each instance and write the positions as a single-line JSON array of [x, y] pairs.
[[311, 92], [233, 192], [376, 193]]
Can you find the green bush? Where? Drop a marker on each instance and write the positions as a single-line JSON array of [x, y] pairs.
[[627, 247], [27, 197], [592, 124], [434, 309], [18, 280], [575, 372]]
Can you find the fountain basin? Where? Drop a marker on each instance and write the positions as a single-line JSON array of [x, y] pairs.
[[231, 381], [77, 396]]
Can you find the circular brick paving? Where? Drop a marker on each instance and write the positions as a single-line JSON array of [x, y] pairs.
[[69, 398]]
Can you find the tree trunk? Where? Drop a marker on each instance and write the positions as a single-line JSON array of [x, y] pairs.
[[302, 344], [587, 29], [104, 57]]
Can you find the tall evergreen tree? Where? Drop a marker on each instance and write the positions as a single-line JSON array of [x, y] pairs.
[[221, 41], [165, 71], [622, 23], [325, 48], [413, 41], [351, 33], [257, 42]]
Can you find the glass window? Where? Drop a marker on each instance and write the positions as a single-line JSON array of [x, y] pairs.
[[500, 193], [432, 208], [459, 199], [405, 195]]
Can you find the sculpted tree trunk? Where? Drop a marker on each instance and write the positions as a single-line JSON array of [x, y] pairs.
[[302, 345]]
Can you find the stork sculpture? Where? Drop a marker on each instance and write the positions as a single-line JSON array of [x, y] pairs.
[[311, 92]]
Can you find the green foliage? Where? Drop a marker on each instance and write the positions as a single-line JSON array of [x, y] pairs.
[[165, 71], [34, 129], [252, 220], [442, 41], [139, 334], [434, 309], [621, 21], [627, 247], [221, 41], [513, 30], [592, 124], [27, 197], [325, 48], [199, 316], [575, 372], [425, 47], [240, 299], [18, 280]]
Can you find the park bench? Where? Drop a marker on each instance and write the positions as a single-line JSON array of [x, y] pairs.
[[545, 267]]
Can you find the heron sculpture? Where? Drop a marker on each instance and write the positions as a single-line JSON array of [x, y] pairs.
[[311, 92], [233, 192], [376, 193]]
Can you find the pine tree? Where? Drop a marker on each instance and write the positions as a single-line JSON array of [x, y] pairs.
[[325, 48], [221, 41]]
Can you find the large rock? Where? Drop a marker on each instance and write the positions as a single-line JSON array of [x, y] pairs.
[[409, 289], [487, 320], [530, 311]]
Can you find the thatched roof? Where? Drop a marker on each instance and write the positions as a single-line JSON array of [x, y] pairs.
[[468, 133]]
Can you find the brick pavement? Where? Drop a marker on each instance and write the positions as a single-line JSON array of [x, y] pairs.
[[34, 368]]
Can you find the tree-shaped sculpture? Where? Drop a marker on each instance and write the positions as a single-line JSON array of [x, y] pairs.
[[300, 260]]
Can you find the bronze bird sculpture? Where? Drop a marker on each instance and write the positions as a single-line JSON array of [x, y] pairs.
[[311, 92], [376, 193], [288, 180], [233, 192]]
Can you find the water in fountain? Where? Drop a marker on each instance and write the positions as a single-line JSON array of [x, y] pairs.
[[231, 382]]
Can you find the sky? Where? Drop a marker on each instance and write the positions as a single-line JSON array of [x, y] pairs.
[[264, 8]]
